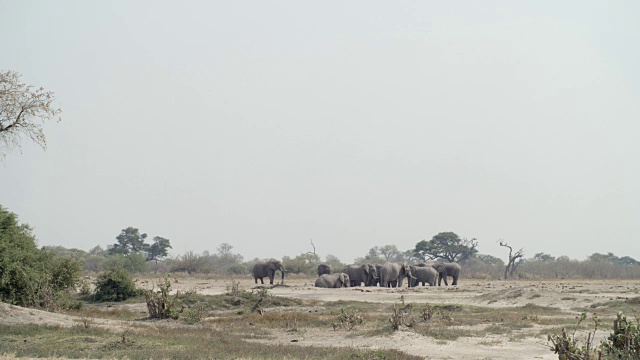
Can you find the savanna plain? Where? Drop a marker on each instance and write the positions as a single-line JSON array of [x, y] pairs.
[[233, 318]]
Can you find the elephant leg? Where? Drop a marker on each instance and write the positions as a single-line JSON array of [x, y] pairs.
[[455, 280], [445, 280], [256, 280], [261, 281]]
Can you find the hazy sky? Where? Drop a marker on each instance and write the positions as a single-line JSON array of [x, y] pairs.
[[355, 124]]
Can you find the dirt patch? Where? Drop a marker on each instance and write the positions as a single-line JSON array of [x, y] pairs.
[[529, 342]]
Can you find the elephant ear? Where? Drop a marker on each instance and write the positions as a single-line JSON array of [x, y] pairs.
[[365, 267], [341, 279], [273, 266]]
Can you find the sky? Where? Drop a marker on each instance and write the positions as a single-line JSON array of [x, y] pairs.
[[353, 124]]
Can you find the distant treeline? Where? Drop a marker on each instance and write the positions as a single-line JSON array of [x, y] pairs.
[[477, 266]]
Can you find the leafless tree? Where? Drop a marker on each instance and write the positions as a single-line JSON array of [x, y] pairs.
[[511, 266], [23, 111]]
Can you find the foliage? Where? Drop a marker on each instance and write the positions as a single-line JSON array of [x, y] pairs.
[[190, 262], [115, 284], [130, 240], [225, 262], [195, 314], [23, 110], [305, 263], [29, 276], [612, 259], [333, 261], [159, 304], [448, 246], [159, 249], [568, 347], [593, 267], [133, 263], [402, 316], [624, 341], [543, 257], [347, 320], [389, 252]]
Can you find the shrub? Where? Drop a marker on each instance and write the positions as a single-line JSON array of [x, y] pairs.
[[159, 304], [237, 269], [624, 341], [115, 285], [133, 263], [29, 276]]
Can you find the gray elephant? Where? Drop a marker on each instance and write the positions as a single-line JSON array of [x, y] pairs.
[[374, 275], [447, 269], [267, 269], [324, 269], [358, 274], [376, 281], [395, 273], [424, 274], [337, 280]]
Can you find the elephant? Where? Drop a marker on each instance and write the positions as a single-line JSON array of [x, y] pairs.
[[392, 272], [376, 275], [267, 269], [424, 274], [376, 281], [324, 269], [337, 280], [447, 269], [360, 274]]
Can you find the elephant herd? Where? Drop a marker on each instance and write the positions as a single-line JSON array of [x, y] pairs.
[[387, 275]]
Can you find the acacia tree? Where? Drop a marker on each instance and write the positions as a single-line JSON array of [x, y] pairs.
[[23, 111], [158, 250], [129, 241], [448, 246]]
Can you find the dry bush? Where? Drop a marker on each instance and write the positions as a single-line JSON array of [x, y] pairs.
[[159, 304]]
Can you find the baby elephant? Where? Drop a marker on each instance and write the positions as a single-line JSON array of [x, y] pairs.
[[333, 280]]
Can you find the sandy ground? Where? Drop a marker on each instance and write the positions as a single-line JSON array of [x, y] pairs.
[[561, 294]]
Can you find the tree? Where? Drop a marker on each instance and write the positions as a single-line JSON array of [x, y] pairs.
[[408, 256], [490, 260], [373, 253], [224, 249], [543, 257], [448, 246], [30, 276], [511, 266], [389, 252], [23, 111], [158, 250], [129, 241]]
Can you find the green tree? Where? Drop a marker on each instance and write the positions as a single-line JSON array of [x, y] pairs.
[[389, 252], [305, 263], [448, 246], [129, 241], [158, 250], [29, 276], [543, 257], [490, 260], [115, 284], [23, 110], [133, 263]]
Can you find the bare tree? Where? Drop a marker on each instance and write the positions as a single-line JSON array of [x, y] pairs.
[[511, 266], [23, 111], [314, 248]]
